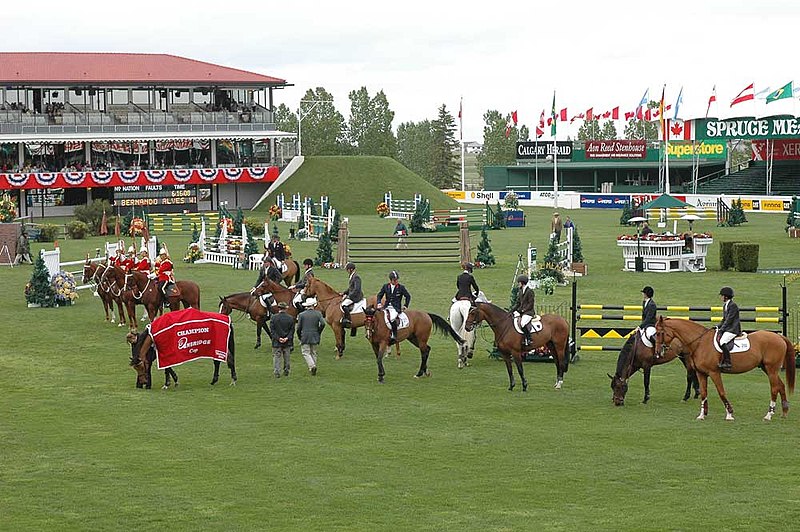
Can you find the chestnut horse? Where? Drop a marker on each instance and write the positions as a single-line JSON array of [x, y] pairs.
[[554, 335], [292, 270], [143, 354], [92, 274], [768, 351], [250, 305], [634, 356], [145, 291], [418, 332], [329, 303]]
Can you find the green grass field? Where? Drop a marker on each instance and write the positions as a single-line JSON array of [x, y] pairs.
[[83, 449]]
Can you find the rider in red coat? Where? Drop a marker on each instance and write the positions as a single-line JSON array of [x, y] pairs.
[[165, 274], [144, 264], [129, 262]]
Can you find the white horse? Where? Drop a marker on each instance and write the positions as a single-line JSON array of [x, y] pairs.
[[459, 311]]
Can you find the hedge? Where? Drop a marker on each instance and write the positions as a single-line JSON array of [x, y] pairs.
[[745, 257], [726, 254]]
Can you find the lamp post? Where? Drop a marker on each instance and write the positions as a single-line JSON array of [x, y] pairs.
[[639, 261], [301, 115]]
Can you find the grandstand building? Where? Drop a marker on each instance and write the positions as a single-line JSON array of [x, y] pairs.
[[166, 132]]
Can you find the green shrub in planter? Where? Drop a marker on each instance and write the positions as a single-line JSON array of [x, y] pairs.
[[745, 257], [77, 230], [726, 254], [48, 233], [254, 227]]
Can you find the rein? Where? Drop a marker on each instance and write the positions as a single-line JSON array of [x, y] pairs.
[[689, 344], [135, 286]]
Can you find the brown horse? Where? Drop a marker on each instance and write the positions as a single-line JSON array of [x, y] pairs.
[[292, 270], [145, 291], [418, 333], [92, 274], [768, 351], [554, 335], [143, 354], [634, 356], [250, 305], [329, 301]]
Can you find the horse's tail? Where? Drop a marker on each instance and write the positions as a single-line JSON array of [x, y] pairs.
[[296, 271], [441, 326], [789, 364]]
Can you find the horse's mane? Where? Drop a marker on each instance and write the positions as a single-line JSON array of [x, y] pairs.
[[323, 283], [626, 356]]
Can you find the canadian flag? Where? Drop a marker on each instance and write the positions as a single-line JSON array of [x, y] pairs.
[[563, 115], [581, 116], [589, 114], [512, 122], [629, 115], [540, 127], [680, 129], [615, 113]]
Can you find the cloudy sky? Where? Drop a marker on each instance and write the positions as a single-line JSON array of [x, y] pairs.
[[496, 55]]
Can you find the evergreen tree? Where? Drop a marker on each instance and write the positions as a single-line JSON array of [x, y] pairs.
[[499, 221], [736, 215], [484, 255], [577, 247], [551, 259], [421, 216], [40, 291], [444, 157], [324, 250], [237, 221], [195, 233], [335, 227], [627, 213], [791, 219], [251, 247], [126, 221]]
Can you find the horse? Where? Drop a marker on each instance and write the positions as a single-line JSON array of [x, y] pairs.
[[329, 301], [143, 354], [768, 351], [248, 303], [418, 332], [634, 356], [458, 318], [554, 335], [145, 291], [92, 273], [292, 270]]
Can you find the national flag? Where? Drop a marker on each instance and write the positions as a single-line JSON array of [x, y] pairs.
[[679, 129], [629, 115], [711, 99], [678, 103], [514, 117], [540, 127], [563, 115], [511, 123], [553, 117], [661, 112], [615, 113], [104, 224], [645, 98], [747, 94], [581, 116], [782, 93], [590, 114], [117, 228]]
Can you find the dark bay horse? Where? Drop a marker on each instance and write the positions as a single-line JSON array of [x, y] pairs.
[[292, 270], [143, 354], [634, 356], [145, 291], [418, 333], [768, 351], [252, 307], [554, 335], [92, 274], [329, 303]]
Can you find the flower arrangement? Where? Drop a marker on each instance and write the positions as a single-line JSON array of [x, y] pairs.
[[287, 249], [429, 227], [234, 244], [512, 200], [137, 227], [227, 223], [331, 265], [275, 213], [64, 288], [8, 209], [382, 209], [479, 264], [193, 253]]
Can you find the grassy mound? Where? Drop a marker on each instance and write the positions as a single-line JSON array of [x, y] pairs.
[[355, 185]]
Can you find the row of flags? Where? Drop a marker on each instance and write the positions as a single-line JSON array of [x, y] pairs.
[[642, 112]]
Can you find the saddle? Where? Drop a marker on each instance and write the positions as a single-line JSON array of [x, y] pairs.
[[359, 306], [171, 289], [402, 320], [535, 325], [737, 345]]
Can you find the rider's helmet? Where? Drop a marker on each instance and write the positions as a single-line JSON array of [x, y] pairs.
[[350, 266], [523, 279], [143, 250], [393, 275], [163, 252], [131, 250], [308, 262], [469, 266], [726, 291], [648, 291]]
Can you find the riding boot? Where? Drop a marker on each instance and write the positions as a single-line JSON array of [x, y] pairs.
[[393, 337], [526, 338], [726, 358], [346, 318]]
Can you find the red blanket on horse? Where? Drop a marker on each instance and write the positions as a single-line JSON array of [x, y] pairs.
[[185, 335]]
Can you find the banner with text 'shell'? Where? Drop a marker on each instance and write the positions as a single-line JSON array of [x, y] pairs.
[[185, 335]]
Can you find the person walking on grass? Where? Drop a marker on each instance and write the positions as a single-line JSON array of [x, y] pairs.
[[282, 325], [310, 324]]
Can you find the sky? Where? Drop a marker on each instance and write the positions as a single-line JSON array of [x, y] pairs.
[[497, 55]]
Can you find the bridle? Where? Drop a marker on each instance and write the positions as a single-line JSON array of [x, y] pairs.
[[135, 286], [686, 344]]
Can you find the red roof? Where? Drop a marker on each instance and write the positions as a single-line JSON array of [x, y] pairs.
[[116, 68]]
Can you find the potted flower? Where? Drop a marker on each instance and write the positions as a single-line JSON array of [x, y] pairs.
[[275, 213], [64, 289], [515, 217], [193, 253], [382, 209]]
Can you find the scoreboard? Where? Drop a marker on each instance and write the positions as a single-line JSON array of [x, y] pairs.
[[157, 198]]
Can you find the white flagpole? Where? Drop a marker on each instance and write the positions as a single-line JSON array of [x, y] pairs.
[[555, 171]]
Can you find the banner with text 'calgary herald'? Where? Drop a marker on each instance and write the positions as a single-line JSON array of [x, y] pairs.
[[542, 150]]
